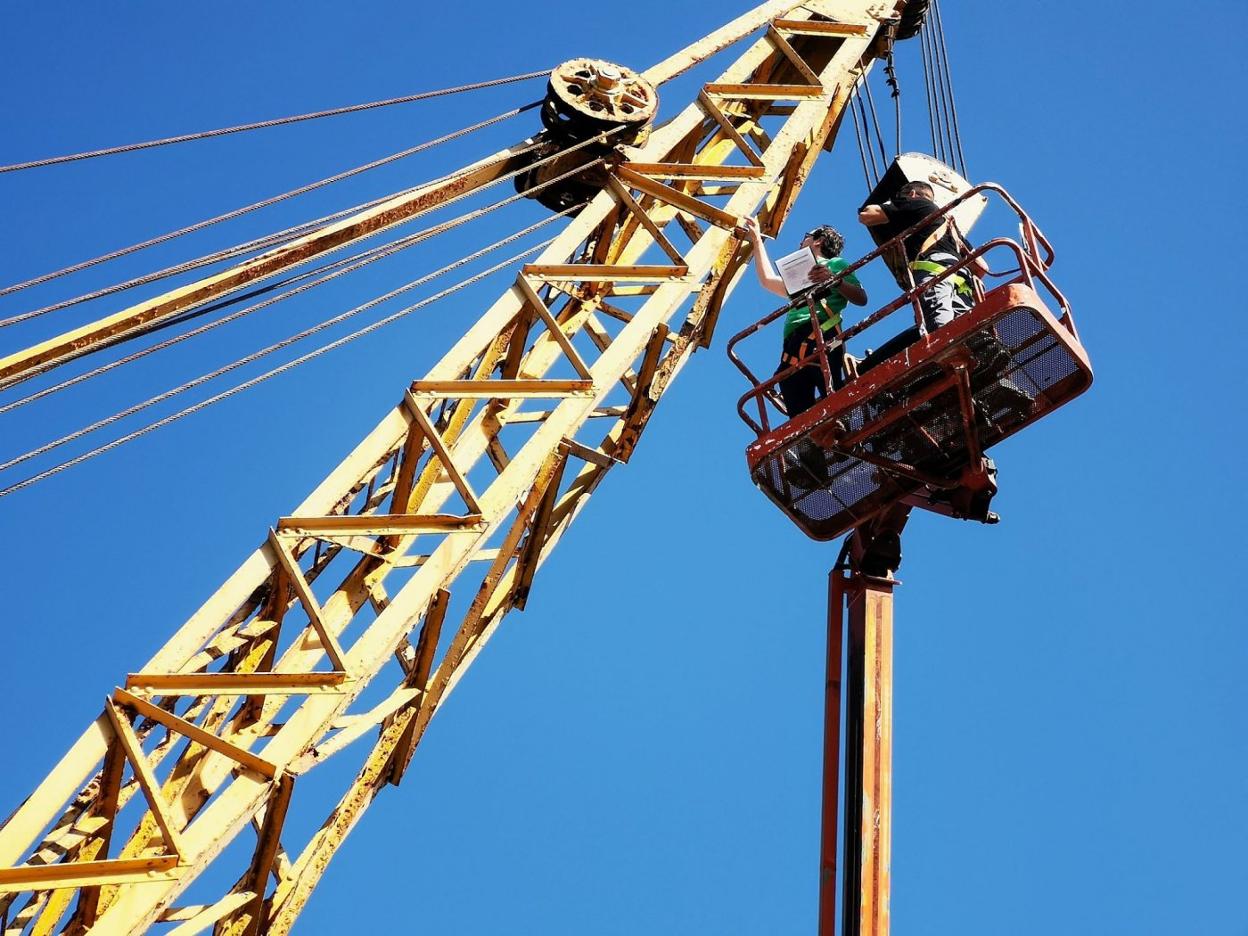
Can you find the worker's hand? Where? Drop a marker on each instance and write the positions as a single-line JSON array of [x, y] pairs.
[[748, 227], [873, 216], [819, 274]]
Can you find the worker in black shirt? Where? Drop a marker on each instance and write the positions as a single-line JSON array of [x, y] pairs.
[[928, 252]]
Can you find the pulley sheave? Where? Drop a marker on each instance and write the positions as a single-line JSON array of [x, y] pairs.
[[588, 96], [584, 99]]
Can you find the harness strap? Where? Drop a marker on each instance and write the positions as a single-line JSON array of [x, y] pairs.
[[805, 348], [960, 282], [936, 234], [828, 319]]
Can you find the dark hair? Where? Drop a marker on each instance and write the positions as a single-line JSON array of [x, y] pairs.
[[915, 190], [830, 240]]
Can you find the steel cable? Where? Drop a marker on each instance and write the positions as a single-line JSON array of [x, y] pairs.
[[942, 101], [269, 240], [862, 153], [275, 122], [894, 84], [246, 385], [934, 105], [141, 330], [953, 105], [199, 226], [371, 254], [275, 239], [866, 133], [875, 119], [930, 92], [346, 265]]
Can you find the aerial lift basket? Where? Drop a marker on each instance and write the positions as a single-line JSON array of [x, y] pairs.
[[912, 428]]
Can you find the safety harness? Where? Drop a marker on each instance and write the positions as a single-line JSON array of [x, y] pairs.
[[831, 324], [960, 282]]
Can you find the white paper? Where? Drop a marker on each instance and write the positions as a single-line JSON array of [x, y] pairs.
[[795, 270]]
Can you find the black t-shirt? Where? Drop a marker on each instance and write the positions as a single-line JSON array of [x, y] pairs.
[[902, 213]]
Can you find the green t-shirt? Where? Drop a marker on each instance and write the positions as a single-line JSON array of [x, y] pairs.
[[834, 303]]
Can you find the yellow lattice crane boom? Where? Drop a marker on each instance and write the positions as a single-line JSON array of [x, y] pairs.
[[462, 489]]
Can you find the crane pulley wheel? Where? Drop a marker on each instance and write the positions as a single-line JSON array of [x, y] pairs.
[[587, 96]]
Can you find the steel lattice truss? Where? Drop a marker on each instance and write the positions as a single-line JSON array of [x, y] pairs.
[[465, 486]]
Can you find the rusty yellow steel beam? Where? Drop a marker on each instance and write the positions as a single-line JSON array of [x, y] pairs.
[[22, 364], [85, 873], [194, 732], [503, 389], [469, 401], [226, 684], [25, 363], [375, 524]]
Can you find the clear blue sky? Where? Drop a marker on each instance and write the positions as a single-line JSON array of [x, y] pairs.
[[640, 750]]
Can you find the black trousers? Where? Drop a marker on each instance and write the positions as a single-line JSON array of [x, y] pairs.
[[941, 304], [805, 387], [894, 345]]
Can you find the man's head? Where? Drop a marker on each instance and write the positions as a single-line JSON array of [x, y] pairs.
[[825, 240], [915, 190]]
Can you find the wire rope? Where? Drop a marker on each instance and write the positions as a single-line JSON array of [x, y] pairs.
[[875, 119], [942, 100], [364, 257], [862, 153], [246, 209], [953, 105], [275, 239], [866, 133], [346, 265], [246, 385], [269, 240], [140, 330], [275, 122], [942, 132], [930, 92], [894, 84]]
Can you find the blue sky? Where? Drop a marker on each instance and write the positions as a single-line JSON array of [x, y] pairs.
[[640, 750]]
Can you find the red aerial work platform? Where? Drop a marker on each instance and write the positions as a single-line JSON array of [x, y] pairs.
[[914, 428], [910, 432]]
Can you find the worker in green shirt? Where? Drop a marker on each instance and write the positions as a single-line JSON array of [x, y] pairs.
[[802, 389]]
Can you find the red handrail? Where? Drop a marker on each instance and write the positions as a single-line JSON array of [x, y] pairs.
[[1031, 268]]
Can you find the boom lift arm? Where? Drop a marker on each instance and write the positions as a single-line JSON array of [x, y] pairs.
[[482, 465]]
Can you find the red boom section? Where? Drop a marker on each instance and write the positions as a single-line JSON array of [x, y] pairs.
[[913, 426]]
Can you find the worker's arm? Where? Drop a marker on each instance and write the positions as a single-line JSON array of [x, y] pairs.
[[849, 287], [853, 292], [873, 216], [978, 266], [763, 267]]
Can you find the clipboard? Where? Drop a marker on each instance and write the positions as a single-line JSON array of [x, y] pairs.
[[795, 270]]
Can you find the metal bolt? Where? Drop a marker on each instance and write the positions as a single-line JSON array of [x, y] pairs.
[[607, 78]]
